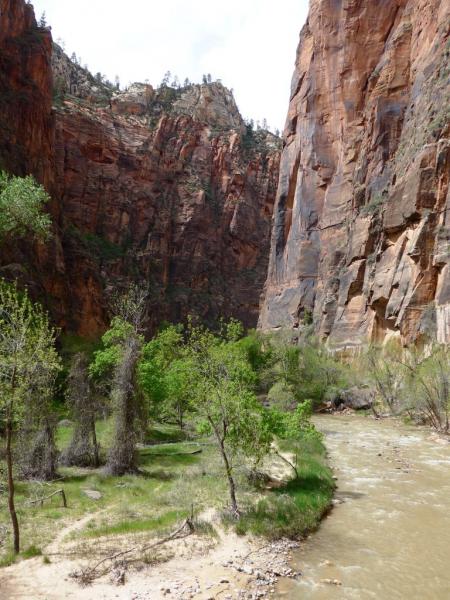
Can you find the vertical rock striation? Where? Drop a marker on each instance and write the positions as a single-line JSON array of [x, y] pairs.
[[361, 232], [166, 191], [165, 187]]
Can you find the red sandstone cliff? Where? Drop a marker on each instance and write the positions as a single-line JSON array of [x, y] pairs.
[[163, 187], [361, 234], [165, 196], [25, 92]]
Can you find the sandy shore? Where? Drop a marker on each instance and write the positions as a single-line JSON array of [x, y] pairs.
[[195, 567], [198, 567]]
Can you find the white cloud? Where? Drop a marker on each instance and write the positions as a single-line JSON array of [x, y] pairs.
[[249, 44]]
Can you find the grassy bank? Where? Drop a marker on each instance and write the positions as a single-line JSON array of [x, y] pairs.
[[174, 476], [296, 508]]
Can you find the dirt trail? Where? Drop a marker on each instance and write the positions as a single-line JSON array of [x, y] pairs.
[[196, 567]]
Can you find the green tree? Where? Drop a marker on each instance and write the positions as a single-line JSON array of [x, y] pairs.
[[22, 203], [293, 426], [28, 364], [165, 375], [303, 371], [427, 386], [228, 409]]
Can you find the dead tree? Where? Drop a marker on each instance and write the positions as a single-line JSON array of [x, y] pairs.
[[36, 449], [122, 457], [130, 308], [83, 450]]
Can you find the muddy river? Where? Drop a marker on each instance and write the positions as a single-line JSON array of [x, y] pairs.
[[389, 536]]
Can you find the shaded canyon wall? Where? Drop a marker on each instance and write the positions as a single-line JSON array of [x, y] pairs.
[[361, 233]]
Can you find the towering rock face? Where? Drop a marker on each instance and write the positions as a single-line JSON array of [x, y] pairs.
[[361, 234], [26, 121], [163, 190], [166, 187]]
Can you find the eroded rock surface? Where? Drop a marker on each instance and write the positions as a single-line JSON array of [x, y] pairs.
[[361, 237], [164, 187]]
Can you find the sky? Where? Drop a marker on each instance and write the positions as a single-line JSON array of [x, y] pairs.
[[249, 44]]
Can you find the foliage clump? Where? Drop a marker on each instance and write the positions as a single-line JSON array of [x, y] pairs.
[[22, 203], [29, 364]]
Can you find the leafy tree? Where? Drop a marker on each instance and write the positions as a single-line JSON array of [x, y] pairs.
[[164, 375], [166, 79], [43, 21], [293, 426], [224, 384], [304, 371], [28, 365], [36, 449], [83, 450], [387, 373], [22, 202]]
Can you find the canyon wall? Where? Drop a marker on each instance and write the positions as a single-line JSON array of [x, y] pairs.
[[361, 234], [169, 192], [165, 187]]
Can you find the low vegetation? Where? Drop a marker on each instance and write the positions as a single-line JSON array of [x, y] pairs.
[[154, 428]]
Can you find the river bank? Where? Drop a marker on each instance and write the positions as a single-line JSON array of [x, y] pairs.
[[107, 515]]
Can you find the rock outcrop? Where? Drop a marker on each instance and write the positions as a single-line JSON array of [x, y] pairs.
[[154, 194], [361, 234], [166, 187]]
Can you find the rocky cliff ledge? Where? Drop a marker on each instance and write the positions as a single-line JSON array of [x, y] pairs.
[[166, 187], [361, 235]]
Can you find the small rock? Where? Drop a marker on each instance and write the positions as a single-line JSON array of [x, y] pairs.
[[92, 494]]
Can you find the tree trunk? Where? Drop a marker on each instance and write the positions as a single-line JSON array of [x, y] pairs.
[[180, 418], [12, 509], [95, 444], [288, 462], [231, 484]]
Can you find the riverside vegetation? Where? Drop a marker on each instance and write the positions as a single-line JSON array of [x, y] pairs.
[[154, 431]]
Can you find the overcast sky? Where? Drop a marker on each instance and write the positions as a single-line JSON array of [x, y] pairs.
[[249, 44]]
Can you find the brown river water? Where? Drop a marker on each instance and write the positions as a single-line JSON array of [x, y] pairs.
[[389, 539]]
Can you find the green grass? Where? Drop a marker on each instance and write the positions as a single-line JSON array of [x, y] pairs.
[[297, 508], [135, 525], [31, 552], [174, 474], [7, 558], [104, 429]]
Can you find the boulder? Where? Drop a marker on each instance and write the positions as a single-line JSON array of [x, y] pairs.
[[355, 398]]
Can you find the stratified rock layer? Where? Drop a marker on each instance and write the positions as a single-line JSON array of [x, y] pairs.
[[361, 234], [164, 187]]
